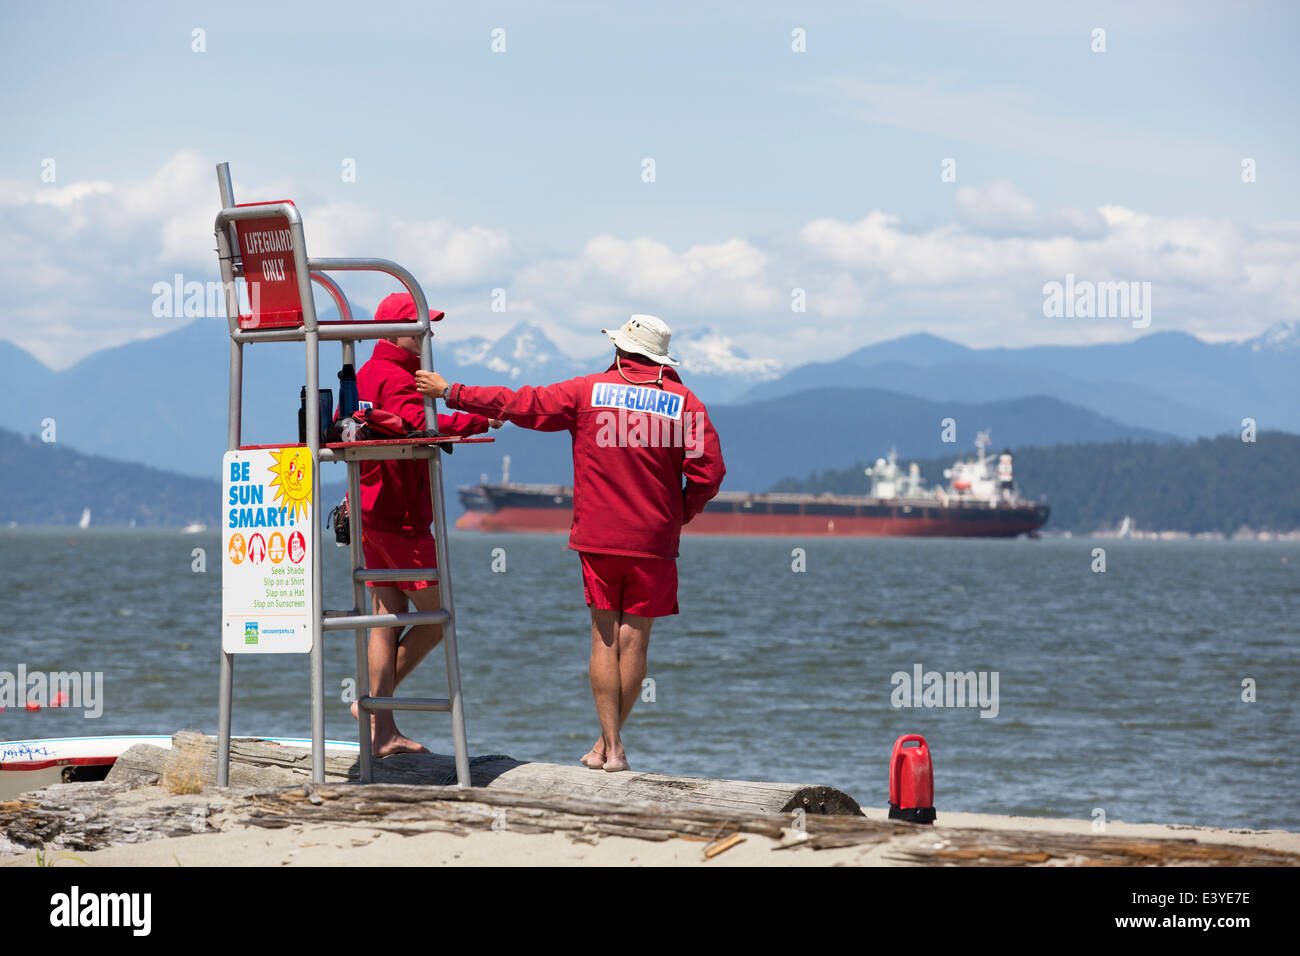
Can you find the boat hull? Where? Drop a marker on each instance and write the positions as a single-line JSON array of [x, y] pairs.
[[925, 523], [32, 764], [471, 521]]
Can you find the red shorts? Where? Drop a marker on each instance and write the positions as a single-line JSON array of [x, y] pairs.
[[616, 582], [399, 549]]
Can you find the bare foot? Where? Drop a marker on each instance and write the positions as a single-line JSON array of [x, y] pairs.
[[397, 744], [593, 759], [617, 762]]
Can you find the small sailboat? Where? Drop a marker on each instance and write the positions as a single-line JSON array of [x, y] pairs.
[[194, 527], [85, 519]]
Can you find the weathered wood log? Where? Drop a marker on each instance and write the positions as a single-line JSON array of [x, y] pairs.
[[980, 847], [90, 816], [416, 809], [262, 763], [93, 815]]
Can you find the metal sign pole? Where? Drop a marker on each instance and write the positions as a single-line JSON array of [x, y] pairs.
[[226, 682], [312, 337]]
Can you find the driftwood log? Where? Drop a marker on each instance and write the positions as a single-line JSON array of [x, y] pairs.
[[153, 793], [265, 764], [90, 816]]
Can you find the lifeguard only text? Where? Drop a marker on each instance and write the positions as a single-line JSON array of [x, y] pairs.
[[260, 243]]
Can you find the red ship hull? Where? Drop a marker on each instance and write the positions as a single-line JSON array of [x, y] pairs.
[[471, 521], [559, 521]]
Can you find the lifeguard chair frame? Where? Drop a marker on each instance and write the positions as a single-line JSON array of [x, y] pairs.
[[304, 327]]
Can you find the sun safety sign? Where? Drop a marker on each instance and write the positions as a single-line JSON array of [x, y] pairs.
[[266, 579]]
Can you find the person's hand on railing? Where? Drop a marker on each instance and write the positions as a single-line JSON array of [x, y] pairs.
[[431, 383]]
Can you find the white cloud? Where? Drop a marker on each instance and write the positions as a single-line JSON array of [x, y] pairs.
[[1206, 274], [611, 276], [78, 262], [999, 209], [440, 253]]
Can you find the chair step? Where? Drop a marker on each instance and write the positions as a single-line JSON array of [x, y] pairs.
[[350, 622], [404, 703], [395, 574]]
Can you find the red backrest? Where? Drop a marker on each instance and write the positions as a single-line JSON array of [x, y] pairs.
[[269, 272]]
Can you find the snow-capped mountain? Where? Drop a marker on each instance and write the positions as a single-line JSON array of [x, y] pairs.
[[470, 351], [708, 352], [713, 366], [525, 355], [716, 368], [1279, 337]]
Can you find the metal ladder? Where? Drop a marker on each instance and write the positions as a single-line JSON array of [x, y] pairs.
[[354, 619]]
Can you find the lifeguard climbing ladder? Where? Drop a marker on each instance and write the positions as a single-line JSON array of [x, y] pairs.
[[283, 311]]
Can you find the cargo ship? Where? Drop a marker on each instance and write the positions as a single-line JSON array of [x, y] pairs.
[[979, 501]]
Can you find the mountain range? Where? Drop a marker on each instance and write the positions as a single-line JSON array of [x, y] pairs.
[[162, 401], [1166, 381]]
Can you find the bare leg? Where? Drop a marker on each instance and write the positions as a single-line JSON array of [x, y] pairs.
[[419, 639], [606, 685], [633, 643], [385, 737]]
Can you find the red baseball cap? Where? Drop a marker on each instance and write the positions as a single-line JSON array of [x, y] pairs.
[[400, 307]]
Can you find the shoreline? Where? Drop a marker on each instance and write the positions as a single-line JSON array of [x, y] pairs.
[[342, 824], [367, 844]]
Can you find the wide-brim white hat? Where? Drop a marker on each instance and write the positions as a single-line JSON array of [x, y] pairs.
[[646, 335]]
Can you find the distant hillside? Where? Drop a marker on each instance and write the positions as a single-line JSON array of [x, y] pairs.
[[1168, 381], [1214, 484], [175, 389], [765, 441], [50, 484]]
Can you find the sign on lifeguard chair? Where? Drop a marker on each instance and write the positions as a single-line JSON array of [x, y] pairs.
[[266, 543], [266, 247]]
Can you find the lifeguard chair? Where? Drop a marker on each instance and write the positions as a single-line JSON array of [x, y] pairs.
[[262, 243]]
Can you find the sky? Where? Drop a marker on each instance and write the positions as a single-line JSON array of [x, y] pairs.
[[891, 168]]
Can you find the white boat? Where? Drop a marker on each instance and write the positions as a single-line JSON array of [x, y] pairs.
[[85, 519], [32, 764], [194, 527]]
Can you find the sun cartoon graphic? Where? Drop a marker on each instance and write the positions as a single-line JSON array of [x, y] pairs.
[[292, 470]]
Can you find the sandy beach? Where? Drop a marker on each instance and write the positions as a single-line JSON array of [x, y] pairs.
[[240, 842]]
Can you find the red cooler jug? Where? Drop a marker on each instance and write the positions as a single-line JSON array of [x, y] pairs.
[[911, 781]]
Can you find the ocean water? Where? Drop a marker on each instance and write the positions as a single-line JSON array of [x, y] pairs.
[[1119, 690]]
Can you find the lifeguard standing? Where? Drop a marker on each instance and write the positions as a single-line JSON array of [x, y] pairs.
[[638, 434]]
